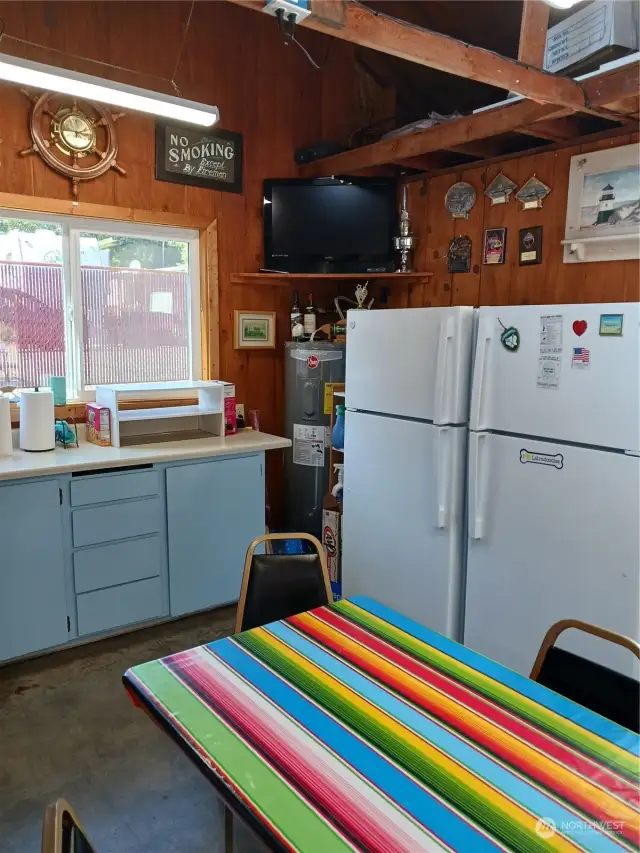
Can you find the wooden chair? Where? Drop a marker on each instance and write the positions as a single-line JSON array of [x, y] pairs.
[[275, 586], [62, 831], [603, 690]]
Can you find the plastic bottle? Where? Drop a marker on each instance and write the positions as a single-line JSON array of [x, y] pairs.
[[337, 436]]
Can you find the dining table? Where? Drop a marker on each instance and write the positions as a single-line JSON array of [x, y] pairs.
[[353, 728]]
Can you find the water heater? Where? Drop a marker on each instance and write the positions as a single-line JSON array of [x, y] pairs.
[[309, 367]]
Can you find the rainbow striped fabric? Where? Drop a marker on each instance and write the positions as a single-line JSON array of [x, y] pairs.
[[352, 728]]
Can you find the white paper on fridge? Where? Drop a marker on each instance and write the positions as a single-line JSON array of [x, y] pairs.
[[550, 359], [308, 445]]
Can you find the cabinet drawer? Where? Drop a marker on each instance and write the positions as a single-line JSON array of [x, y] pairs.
[[113, 487], [116, 521], [122, 562], [106, 609]]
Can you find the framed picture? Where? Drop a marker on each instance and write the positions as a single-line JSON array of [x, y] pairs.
[[254, 329], [201, 158], [495, 244], [603, 206]]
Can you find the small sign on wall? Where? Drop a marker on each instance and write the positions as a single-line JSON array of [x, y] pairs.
[[210, 159]]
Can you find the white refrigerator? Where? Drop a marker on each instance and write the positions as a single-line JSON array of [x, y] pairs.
[[554, 480], [407, 397]]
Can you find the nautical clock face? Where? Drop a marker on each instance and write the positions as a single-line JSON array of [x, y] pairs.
[[76, 138], [75, 131]]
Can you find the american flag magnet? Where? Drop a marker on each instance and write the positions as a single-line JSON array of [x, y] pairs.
[[581, 358]]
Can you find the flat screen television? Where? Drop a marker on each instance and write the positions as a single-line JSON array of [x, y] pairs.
[[330, 225]]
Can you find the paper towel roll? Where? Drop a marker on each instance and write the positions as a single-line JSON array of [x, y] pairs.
[[37, 420], [6, 438]]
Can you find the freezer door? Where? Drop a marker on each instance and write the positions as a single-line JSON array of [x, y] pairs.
[[553, 534], [572, 377], [403, 517], [411, 362]]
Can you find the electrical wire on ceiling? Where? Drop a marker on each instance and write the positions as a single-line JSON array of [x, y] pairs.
[[288, 29], [172, 81]]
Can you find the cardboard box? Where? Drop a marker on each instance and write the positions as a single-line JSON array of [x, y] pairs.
[[98, 424], [333, 549], [230, 423]]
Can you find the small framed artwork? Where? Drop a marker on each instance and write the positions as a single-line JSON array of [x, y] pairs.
[[530, 246], [254, 329], [495, 244]]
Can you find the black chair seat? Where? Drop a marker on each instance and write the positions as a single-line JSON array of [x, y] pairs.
[[276, 586], [608, 693], [281, 585]]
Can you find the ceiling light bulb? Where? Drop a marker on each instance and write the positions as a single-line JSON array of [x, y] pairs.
[[47, 77], [562, 4]]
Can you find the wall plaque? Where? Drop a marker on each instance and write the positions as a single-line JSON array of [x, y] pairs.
[[201, 158]]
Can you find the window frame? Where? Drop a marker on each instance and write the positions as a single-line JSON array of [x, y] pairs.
[[76, 217]]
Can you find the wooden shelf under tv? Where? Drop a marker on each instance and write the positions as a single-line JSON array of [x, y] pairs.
[[277, 278]]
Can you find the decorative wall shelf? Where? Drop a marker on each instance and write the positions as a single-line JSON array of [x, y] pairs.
[[290, 278], [612, 247]]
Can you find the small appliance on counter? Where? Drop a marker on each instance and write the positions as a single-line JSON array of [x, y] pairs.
[[37, 419]]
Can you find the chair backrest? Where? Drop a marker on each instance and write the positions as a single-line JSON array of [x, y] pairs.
[[603, 690], [275, 586], [62, 831]]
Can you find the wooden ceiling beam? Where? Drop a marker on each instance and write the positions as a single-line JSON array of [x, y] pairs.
[[556, 130], [533, 32], [360, 25], [444, 136]]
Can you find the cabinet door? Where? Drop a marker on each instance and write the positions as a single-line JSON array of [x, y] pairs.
[[33, 611], [215, 509]]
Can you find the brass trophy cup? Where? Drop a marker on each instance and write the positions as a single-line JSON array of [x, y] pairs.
[[403, 241]]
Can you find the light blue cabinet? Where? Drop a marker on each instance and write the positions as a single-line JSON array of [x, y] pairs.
[[214, 510], [86, 554], [33, 610]]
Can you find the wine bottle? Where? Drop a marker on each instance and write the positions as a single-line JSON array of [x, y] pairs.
[[310, 313], [297, 323]]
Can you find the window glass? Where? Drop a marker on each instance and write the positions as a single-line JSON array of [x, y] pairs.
[[135, 309], [32, 333]]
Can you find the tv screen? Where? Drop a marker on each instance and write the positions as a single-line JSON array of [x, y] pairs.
[[330, 224]]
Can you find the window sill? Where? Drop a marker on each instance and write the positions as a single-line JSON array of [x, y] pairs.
[[74, 412]]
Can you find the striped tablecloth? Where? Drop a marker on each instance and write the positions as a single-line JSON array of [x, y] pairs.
[[352, 728]]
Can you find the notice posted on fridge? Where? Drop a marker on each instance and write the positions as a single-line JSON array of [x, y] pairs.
[[550, 358], [308, 445]]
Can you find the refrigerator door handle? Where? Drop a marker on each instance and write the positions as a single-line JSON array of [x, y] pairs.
[[478, 472], [447, 331], [480, 375], [443, 455]]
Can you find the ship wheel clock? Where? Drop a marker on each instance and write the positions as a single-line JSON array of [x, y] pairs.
[[76, 138]]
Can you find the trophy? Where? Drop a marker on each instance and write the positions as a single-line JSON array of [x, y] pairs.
[[403, 241]]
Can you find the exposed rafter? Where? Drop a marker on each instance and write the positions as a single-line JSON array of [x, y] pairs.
[[353, 22], [522, 116], [533, 32], [445, 136]]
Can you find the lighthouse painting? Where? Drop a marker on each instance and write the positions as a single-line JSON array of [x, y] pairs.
[[611, 198]]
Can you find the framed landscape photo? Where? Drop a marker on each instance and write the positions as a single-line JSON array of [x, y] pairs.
[[603, 206], [254, 329]]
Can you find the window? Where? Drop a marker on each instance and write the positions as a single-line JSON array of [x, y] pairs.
[[98, 302]]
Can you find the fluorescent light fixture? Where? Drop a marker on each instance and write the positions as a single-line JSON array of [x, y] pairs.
[[47, 77], [562, 4]]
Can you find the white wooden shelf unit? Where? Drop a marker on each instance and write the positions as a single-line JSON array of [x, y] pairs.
[[131, 426]]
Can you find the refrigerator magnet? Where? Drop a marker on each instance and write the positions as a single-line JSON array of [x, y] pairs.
[[611, 325], [510, 337], [495, 243]]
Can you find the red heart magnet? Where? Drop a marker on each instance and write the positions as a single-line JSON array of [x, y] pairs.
[[579, 327]]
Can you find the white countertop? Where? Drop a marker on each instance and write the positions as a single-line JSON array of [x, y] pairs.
[[87, 456]]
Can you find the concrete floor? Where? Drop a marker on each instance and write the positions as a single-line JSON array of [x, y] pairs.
[[68, 729]]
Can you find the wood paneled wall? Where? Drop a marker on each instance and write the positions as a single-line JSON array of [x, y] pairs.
[[232, 58], [552, 281]]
